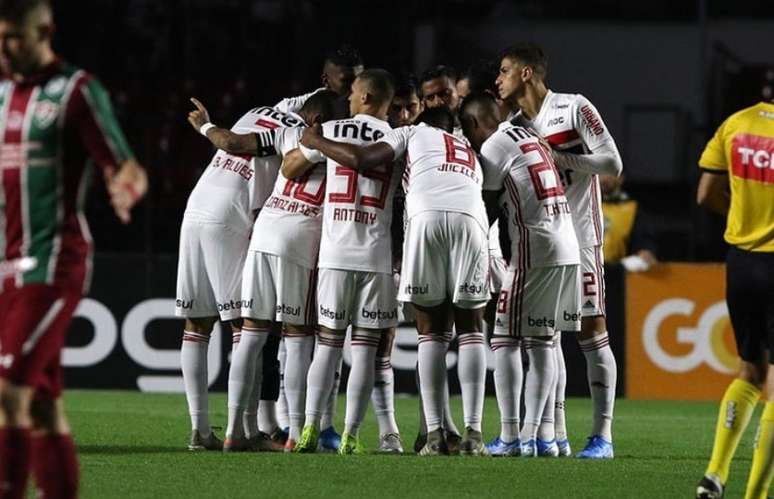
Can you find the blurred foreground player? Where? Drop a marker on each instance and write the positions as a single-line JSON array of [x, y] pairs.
[[53, 118], [738, 181]]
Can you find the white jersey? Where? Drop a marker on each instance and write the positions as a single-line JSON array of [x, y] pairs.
[[442, 172], [571, 124], [233, 187], [290, 221], [294, 104], [539, 219], [358, 206]]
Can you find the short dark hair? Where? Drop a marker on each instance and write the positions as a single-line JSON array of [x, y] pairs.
[[439, 117], [405, 86], [16, 11], [481, 77], [321, 103], [529, 54], [475, 101], [439, 71], [381, 83], [345, 56]]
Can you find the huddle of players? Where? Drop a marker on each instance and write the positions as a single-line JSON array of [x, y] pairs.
[[320, 254]]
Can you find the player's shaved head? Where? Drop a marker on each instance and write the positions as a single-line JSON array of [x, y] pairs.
[[319, 107], [379, 83], [479, 117], [341, 67], [438, 117], [18, 11]]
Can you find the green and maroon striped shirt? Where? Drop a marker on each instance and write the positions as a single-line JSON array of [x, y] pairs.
[[51, 125]]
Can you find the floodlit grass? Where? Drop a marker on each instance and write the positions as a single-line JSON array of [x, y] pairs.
[[134, 445]]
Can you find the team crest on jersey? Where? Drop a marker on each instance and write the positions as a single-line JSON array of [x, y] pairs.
[[15, 120], [45, 113], [56, 86]]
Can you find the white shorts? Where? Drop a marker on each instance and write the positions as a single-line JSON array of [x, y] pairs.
[[275, 289], [209, 270], [539, 302], [445, 255], [592, 281], [363, 299], [498, 274]]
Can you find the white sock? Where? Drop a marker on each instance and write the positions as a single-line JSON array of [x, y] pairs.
[[250, 416], [602, 372], [282, 403], [321, 378], [422, 422], [241, 376], [542, 365], [508, 377], [560, 424], [329, 413], [298, 356], [447, 423], [361, 377], [432, 376], [471, 370], [383, 396], [193, 359], [546, 431], [267, 416]]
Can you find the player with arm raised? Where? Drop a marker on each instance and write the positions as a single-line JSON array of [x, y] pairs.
[[355, 282], [445, 272], [54, 118], [583, 149], [542, 294]]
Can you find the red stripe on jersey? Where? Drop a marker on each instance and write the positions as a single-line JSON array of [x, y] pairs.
[[12, 146], [561, 138], [595, 211], [266, 124]]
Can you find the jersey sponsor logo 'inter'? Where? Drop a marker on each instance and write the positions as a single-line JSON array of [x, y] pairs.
[[752, 158]]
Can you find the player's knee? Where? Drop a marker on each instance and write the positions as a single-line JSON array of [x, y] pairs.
[[592, 326], [200, 325], [44, 414], [385, 343], [756, 373], [15, 405], [469, 319], [297, 330]]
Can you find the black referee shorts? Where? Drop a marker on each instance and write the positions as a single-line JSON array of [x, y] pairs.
[[750, 299]]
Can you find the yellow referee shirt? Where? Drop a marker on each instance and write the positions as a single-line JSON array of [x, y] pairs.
[[743, 146]]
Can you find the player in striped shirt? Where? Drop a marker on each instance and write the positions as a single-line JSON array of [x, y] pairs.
[[54, 117], [583, 149]]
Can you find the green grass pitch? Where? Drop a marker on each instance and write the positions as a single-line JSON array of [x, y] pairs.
[[133, 445]]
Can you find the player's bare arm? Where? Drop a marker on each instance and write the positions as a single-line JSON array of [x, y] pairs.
[[492, 206], [126, 187], [295, 164], [222, 138], [605, 160], [357, 157], [713, 193]]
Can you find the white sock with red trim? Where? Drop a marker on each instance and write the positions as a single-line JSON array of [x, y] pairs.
[[546, 431], [383, 396], [298, 357], [241, 377], [361, 377], [321, 378], [508, 377], [193, 360], [471, 370], [432, 377], [329, 413], [250, 416], [282, 402], [538, 384], [560, 425], [602, 373]]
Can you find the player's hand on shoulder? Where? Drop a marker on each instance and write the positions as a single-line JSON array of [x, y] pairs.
[[126, 188], [310, 135], [199, 116]]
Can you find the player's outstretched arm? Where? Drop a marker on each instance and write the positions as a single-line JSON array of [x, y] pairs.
[[222, 138], [357, 157], [605, 160], [126, 188], [295, 164]]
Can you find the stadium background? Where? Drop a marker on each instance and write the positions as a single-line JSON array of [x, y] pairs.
[[663, 74]]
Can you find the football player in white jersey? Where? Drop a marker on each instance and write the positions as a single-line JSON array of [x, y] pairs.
[[445, 258], [355, 266], [582, 149], [213, 242], [281, 128], [543, 291]]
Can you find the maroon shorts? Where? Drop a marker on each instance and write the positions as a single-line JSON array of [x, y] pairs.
[[34, 323]]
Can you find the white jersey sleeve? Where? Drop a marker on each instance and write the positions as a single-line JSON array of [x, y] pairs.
[[494, 161], [294, 104], [589, 125], [398, 140]]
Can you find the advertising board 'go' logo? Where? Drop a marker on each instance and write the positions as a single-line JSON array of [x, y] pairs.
[[709, 346]]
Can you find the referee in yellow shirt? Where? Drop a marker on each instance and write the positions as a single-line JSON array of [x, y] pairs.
[[737, 180]]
